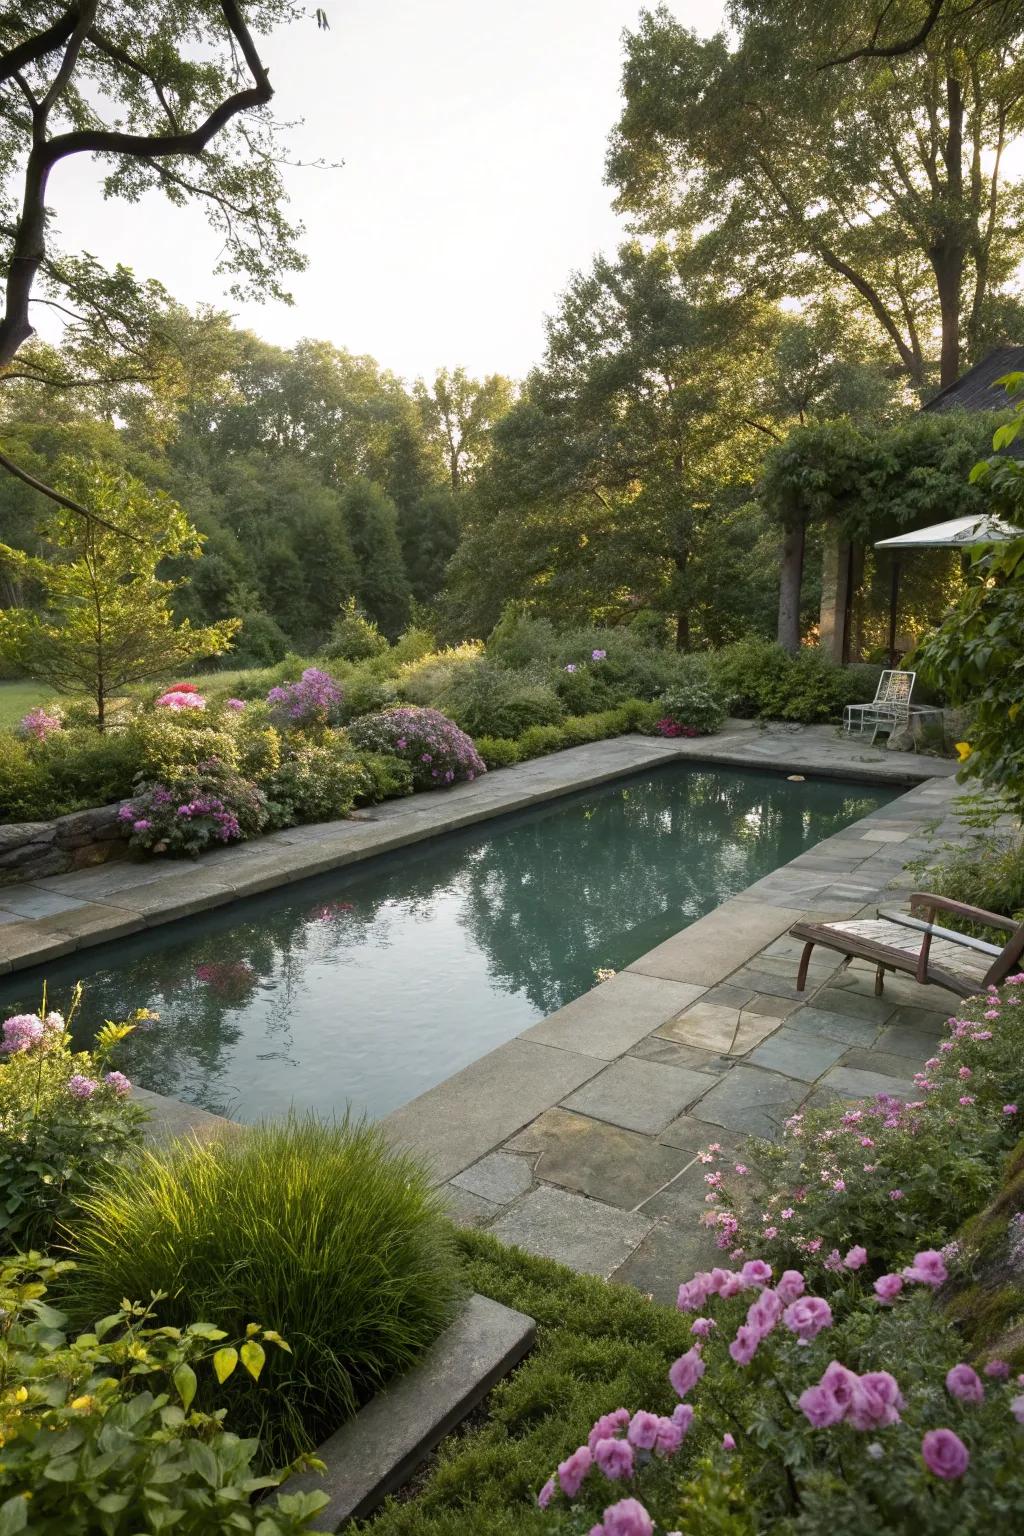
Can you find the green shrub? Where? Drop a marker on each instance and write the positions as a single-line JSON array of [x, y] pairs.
[[64, 1122], [104, 1440], [639, 715], [195, 809], [423, 680], [579, 729], [764, 680], [650, 628], [499, 751], [84, 768], [539, 740], [261, 642], [318, 1230], [381, 777], [365, 694], [313, 781], [520, 640], [486, 700], [585, 690], [691, 708], [987, 872], [168, 744], [24, 784], [354, 636]]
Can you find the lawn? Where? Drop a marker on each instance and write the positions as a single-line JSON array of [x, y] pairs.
[[598, 1347]]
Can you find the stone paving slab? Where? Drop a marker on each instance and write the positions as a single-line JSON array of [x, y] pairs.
[[610, 1018], [752, 1101], [712, 947], [640, 1095], [586, 1235], [593, 1158]]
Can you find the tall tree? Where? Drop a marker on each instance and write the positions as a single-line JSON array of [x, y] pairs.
[[382, 587], [169, 97], [459, 414], [887, 175]]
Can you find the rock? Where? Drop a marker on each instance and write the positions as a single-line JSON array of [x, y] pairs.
[[19, 832]]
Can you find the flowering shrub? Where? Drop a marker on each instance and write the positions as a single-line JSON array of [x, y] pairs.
[[182, 696], [804, 1426], [65, 1119], [888, 1174], [313, 782], [437, 750], [694, 708], [314, 701], [40, 722], [100, 1432], [198, 810]]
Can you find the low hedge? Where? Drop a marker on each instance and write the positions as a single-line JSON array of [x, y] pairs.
[[574, 731]]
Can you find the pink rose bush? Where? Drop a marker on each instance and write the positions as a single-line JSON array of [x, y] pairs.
[[790, 1387], [438, 752], [868, 1185]]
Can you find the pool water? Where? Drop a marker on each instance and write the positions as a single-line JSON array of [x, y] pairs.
[[369, 985]]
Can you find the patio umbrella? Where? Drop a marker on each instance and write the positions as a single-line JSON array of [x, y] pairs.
[[958, 533]]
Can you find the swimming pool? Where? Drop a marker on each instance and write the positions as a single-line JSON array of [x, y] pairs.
[[369, 985]]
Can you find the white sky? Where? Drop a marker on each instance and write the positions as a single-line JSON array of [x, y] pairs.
[[473, 134]]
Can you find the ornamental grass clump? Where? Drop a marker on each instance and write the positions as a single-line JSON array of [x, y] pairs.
[[65, 1121], [317, 1230], [438, 752], [890, 1174]]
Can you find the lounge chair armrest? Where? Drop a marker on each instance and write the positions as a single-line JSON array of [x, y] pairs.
[[961, 909], [963, 939]]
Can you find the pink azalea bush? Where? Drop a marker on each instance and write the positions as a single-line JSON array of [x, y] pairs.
[[801, 1415], [437, 751], [181, 698], [202, 808], [894, 1176], [40, 723]]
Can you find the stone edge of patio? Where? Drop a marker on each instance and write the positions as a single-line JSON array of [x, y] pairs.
[[45, 919]]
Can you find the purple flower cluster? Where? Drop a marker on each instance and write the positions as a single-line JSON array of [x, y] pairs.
[[23, 1031], [314, 700], [40, 722], [439, 752]]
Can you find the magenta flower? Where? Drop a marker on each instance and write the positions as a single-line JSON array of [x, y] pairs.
[[670, 1436], [685, 1372], [728, 1443], [856, 1258], [118, 1082], [234, 704], [791, 1285], [764, 1313], [945, 1454], [1009, 1109], [820, 1407], [807, 1316], [841, 1382], [573, 1470], [1017, 1408], [627, 1518], [875, 1402], [20, 1033], [547, 1493], [887, 1288], [702, 1326], [607, 1427], [614, 1458], [997, 1368], [40, 722], [744, 1346], [643, 1430], [81, 1087], [928, 1268], [755, 1272], [598, 655], [965, 1383]]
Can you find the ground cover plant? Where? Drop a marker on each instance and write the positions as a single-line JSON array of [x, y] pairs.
[[317, 1230], [65, 1122], [101, 1432]]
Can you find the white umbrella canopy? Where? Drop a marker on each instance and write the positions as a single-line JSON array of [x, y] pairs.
[[959, 533]]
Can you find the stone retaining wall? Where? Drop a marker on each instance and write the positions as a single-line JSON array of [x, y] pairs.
[[31, 849]]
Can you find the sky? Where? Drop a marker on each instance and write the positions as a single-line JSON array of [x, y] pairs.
[[473, 135]]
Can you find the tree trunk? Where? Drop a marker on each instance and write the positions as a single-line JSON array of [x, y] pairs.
[[948, 253], [791, 573], [682, 613]]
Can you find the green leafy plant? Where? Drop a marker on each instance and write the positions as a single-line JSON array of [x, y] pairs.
[[65, 1121], [487, 700], [764, 680], [695, 707], [319, 1229], [195, 810], [987, 872], [101, 1432], [354, 636], [313, 782]]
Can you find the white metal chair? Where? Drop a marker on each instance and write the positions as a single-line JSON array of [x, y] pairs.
[[889, 708]]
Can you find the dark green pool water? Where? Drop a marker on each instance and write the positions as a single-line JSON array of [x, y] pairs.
[[370, 985]]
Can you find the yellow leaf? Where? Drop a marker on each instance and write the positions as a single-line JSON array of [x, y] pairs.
[[224, 1362], [253, 1357], [963, 750]]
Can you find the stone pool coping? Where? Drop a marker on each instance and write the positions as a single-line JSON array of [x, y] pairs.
[[44, 919]]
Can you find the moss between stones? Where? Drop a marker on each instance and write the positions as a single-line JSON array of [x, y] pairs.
[[988, 1303]]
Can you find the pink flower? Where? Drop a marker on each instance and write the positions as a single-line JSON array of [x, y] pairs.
[[744, 1346], [755, 1272], [820, 1407], [726, 1283], [573, 1470], [876, 1401], [741, 1169], [841, 1382], [965, 1383], [1017, 1408], [764, 1313], [1009, 1109], [887, 1288], [118, 1082], [966, 1099], [20, 1033], [670, 1437], [928, 1268], [682, 1417], [686, 1371], [702, 1326], [856, 1258], [728, 1443], [791, 1285], [839, 1185], [807, 1316], [964, 1073], [643, 1430], [81, 1087], [614, 1458], [547, 1493], [895, 1194], [234, 704], [607, 1426], [997, 1368], [945, 1454], [834, 1262], [627, 1518]]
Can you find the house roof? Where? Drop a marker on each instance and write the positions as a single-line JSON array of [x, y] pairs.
[[973, 390]]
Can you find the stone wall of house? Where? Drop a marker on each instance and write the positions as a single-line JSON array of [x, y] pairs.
[[31, 849]]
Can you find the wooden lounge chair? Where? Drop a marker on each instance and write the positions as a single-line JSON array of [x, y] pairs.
[[896, 941]]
